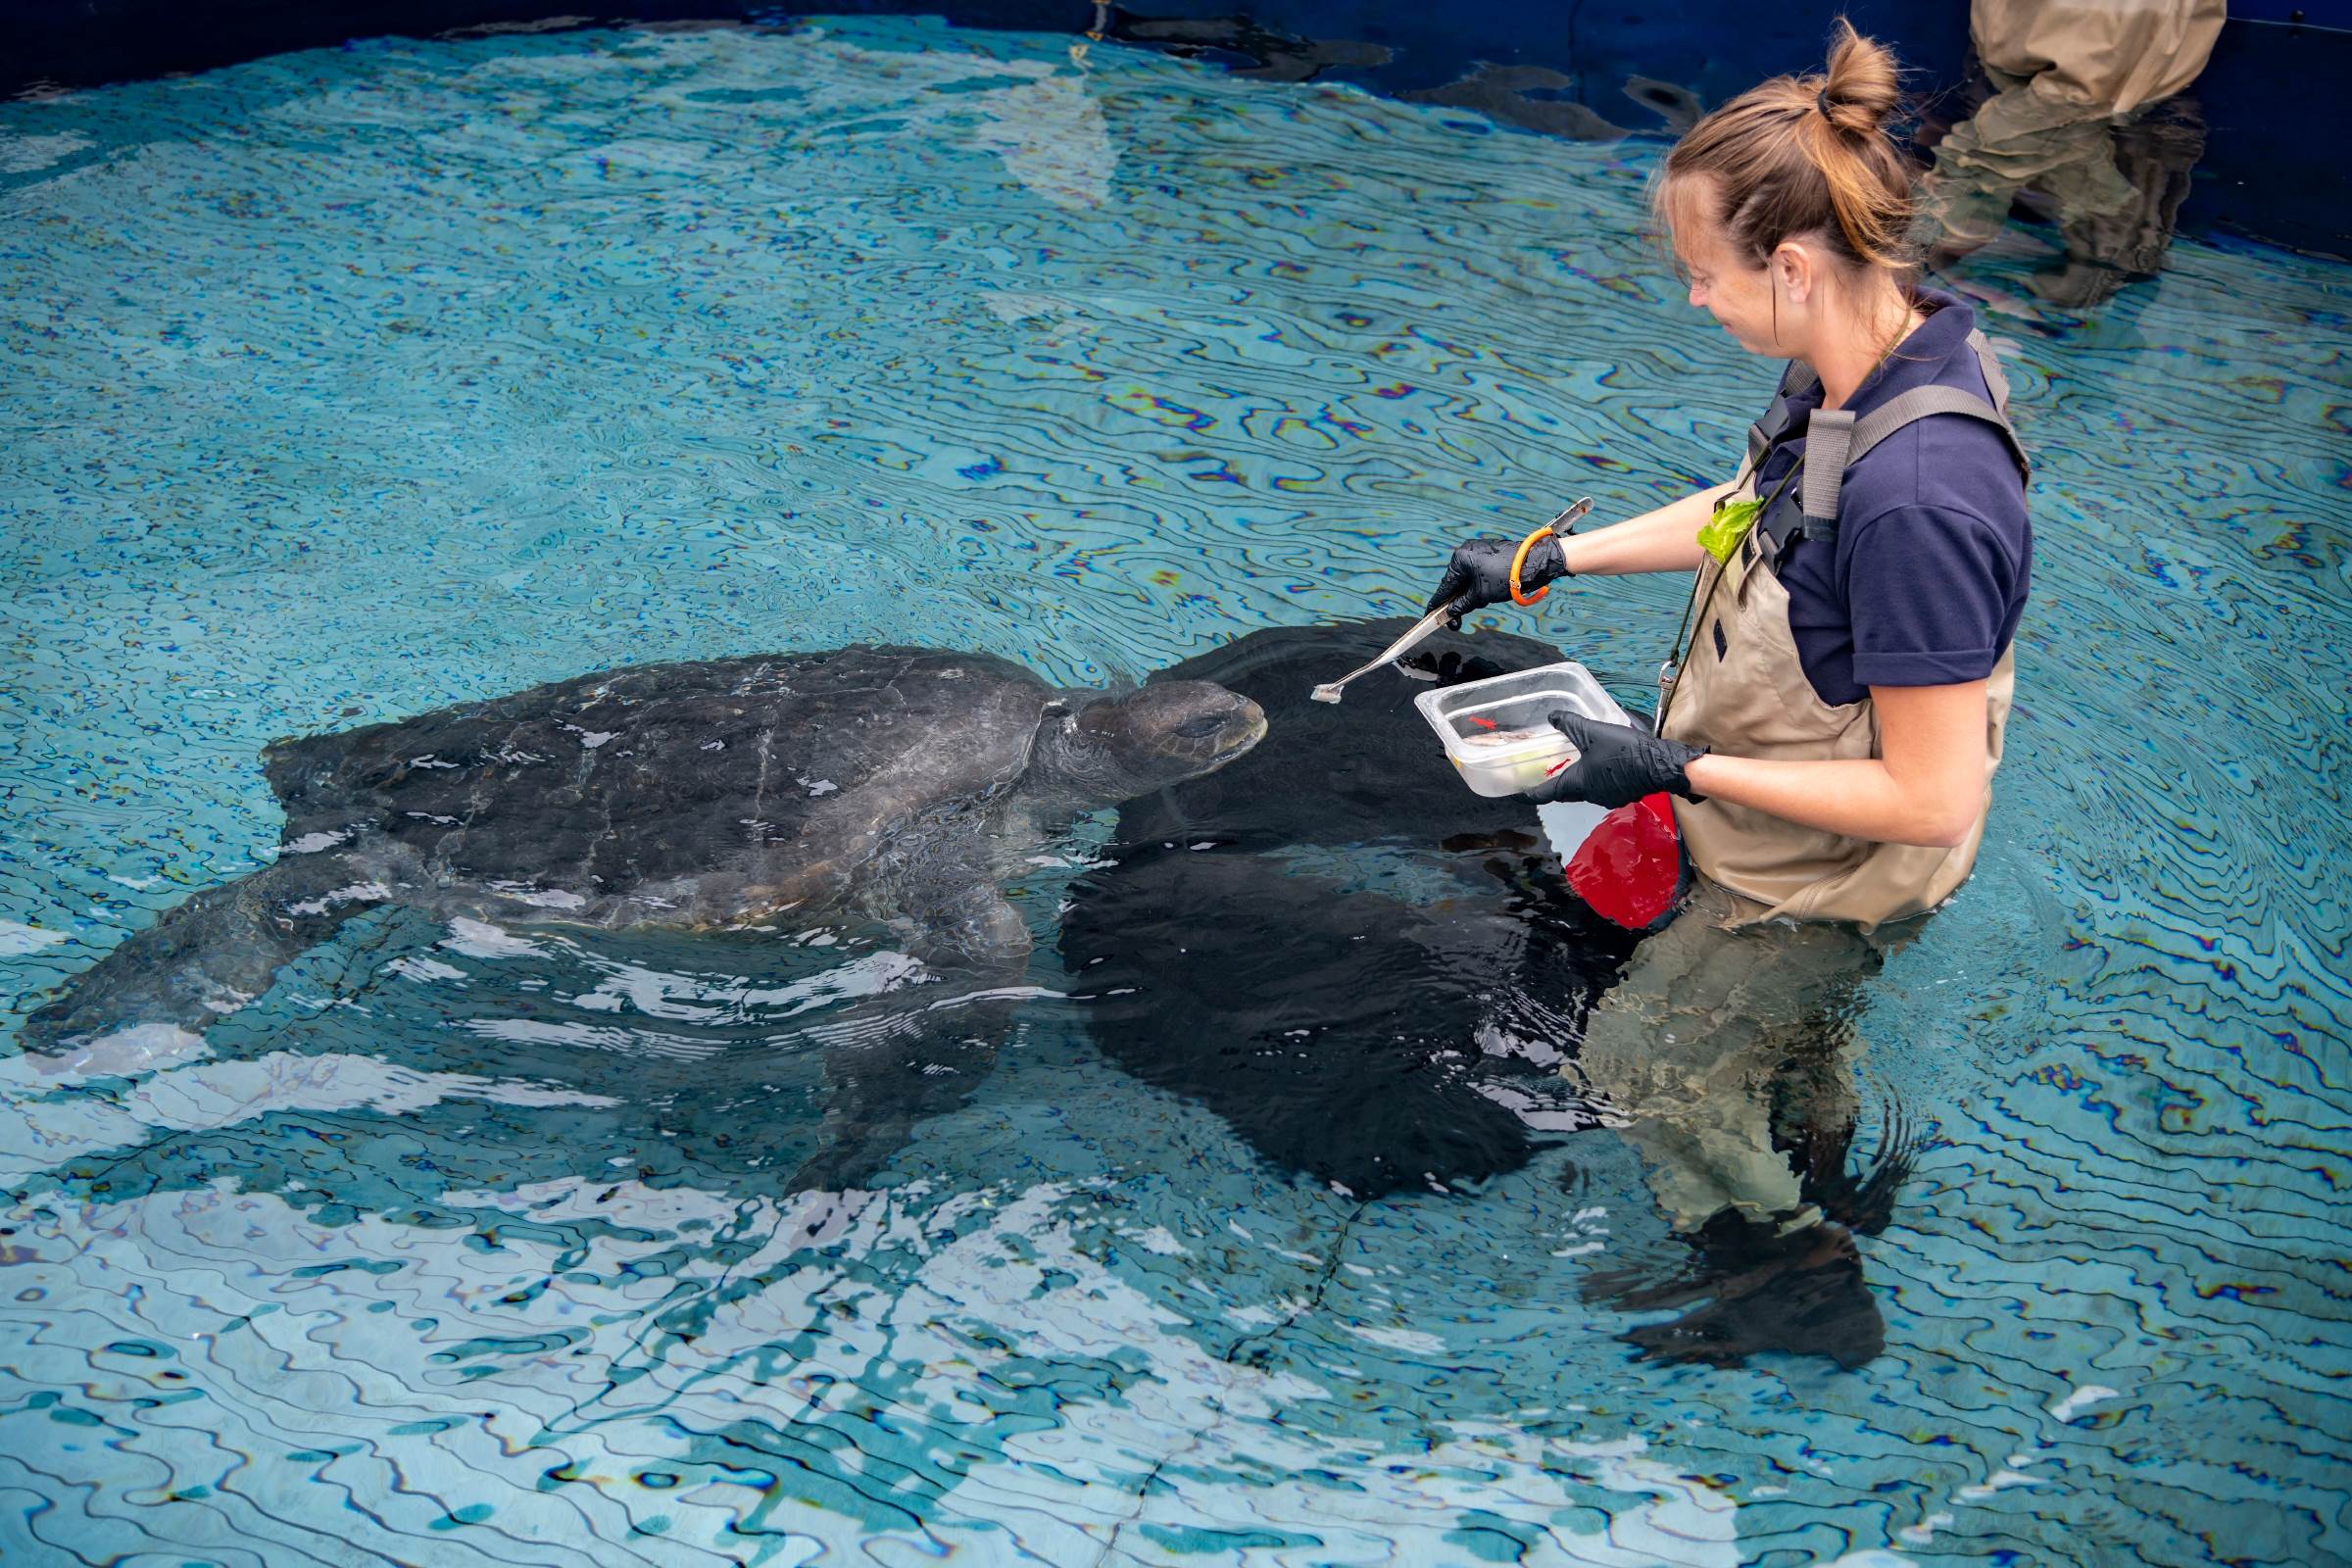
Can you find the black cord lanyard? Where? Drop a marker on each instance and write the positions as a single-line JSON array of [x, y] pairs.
[[1695, 612]]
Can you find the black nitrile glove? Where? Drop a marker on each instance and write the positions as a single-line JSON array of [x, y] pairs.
[[1617, 764], [1479, 573], [1451, 668]]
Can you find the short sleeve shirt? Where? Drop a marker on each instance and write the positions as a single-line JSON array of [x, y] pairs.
[[1928, 575]]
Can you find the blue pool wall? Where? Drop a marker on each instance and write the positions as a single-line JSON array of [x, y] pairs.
[[2273, 97]]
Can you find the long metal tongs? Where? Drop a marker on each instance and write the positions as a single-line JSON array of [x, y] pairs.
[[1329, 691]]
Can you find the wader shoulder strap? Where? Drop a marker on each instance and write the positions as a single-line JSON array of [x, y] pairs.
[[1829, 439], [1990, 363], [1917, 404], [1836, 440]]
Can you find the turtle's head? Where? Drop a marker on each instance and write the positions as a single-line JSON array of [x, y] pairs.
[[1117, 748]]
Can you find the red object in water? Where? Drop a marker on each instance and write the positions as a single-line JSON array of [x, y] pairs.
[[1630, 866]]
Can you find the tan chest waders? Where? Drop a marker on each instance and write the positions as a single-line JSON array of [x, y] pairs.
[[1741, 688]]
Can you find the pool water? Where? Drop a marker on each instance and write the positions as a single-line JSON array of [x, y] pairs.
[[349, 384]]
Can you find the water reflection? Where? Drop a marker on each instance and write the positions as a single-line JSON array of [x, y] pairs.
[[530, 1193], [1267, 53], [2111, 188], [2083, 118], [1531, 97], [1370, 973], [504, 1060], [2082, 121]]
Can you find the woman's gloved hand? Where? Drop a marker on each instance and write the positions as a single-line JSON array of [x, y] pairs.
[[1617, 765], [1479, 573]]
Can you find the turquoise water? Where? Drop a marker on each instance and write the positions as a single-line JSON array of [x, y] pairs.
[[345, 384]]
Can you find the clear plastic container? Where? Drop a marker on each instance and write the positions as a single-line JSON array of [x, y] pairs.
[[1497, 732]]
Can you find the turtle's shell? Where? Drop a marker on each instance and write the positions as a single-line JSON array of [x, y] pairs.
[[765, 769]]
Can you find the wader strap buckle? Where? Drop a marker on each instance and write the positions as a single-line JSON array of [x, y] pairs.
[[1777, 420]]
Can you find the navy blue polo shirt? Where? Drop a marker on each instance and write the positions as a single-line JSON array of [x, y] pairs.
[[1925, 582]]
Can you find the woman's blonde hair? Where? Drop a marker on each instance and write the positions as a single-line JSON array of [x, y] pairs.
[[1808, 155]]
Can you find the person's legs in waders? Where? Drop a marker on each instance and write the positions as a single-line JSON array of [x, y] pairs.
[[1714, 1041]]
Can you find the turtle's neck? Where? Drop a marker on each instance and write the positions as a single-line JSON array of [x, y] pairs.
[[1069, 771]]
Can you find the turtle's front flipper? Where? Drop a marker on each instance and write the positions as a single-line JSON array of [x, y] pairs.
[[969, 929], [209, 955], [917, 1053]]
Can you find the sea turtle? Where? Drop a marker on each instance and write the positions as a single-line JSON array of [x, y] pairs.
[[889, 784]]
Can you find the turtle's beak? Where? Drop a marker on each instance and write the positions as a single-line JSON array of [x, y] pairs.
[[1250, 728]]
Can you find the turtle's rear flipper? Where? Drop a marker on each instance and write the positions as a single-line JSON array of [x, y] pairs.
[[209, 955], [899, 1060], [900, 1073]]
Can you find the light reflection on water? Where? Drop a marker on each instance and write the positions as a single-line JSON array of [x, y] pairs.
[[350, 383]]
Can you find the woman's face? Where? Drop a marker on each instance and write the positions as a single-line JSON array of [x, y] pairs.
[[1724, 283]]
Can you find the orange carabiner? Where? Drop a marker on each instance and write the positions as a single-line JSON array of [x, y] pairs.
[[1519, 564]]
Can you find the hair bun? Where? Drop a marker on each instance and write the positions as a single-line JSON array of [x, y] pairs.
[[1804, 154], [1861, 90]]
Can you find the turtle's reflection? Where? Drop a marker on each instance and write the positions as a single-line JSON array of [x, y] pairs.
[[1370, 973]]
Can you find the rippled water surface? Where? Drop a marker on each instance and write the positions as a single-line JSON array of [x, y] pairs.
[[346, 384]]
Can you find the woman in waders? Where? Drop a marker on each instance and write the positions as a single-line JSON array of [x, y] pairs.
[[1830, 725]]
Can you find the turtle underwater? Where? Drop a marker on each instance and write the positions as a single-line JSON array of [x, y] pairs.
[[895, 785]]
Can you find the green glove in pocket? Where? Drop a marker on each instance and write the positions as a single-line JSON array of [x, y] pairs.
[[1722, 532]]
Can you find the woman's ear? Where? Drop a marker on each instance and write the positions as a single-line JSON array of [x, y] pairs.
[[1793, 271]]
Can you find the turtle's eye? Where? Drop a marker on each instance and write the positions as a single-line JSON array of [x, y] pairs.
[[1194, 729]]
